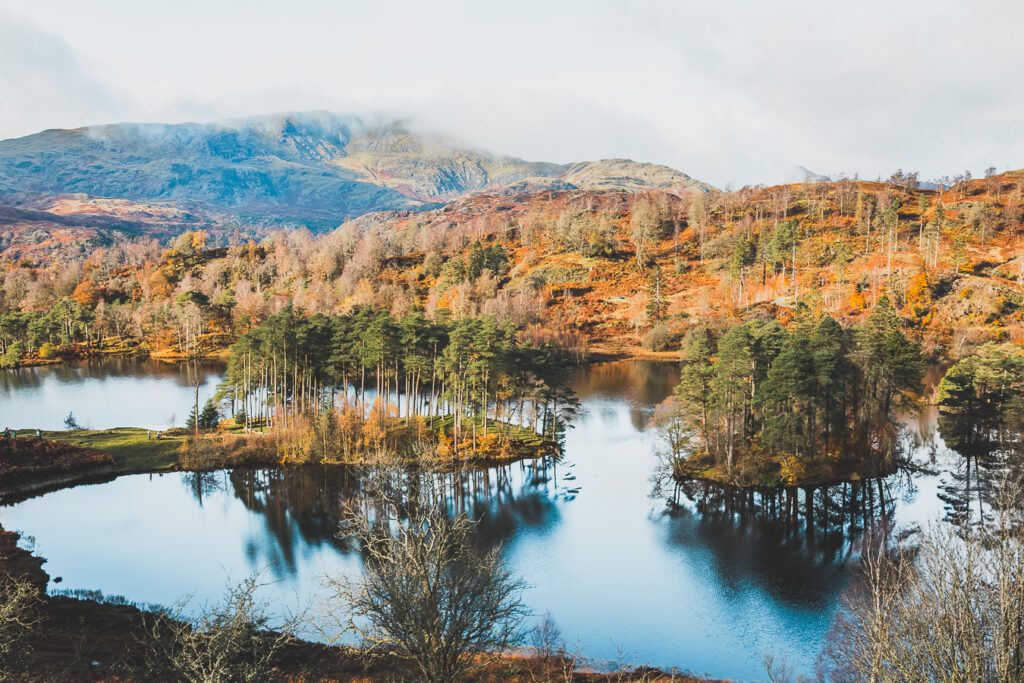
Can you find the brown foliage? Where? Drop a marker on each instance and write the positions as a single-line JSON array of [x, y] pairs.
[[24, 459]]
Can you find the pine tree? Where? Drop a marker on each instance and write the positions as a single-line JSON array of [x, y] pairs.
[[788, 395], [191, 421], [732, 388], [694, 388], [656, 300], [830, 350], [210, 416], [892, 364]]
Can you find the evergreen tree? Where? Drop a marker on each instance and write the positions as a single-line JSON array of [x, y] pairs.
[[191, 420], [694, 388], [732, 387], [788, 396], [814, 391], [892, 363], [982, 400], [657, 302], [209, 418], [830, 349]]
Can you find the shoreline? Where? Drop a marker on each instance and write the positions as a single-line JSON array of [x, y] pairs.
[[854, 478], [108, 635], [135, 453], [599, 352], [132, 452]]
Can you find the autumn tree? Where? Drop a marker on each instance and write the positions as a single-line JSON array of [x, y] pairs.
[[645, 229]]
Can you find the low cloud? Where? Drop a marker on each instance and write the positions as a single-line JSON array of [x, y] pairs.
[[44, 85], [729, 91]]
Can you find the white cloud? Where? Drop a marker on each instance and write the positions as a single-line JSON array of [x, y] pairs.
[[43, 84], [726, 90]]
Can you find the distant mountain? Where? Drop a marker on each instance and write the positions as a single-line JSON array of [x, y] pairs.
[[806, 175], [313, 168]]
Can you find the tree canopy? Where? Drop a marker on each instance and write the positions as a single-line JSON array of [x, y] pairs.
[[765, 403]]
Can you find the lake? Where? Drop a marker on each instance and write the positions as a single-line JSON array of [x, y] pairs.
[[113, 392], [619, 574]]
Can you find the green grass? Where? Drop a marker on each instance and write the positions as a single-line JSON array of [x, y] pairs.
[[129, 445]]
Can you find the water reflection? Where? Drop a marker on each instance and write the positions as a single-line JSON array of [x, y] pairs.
[[792, 567], [642, 384], [114, 392], [704, 585], [303, 507]]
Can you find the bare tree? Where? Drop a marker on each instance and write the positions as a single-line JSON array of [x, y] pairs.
[[645, 229], [427, 595], [780, 672], [230, 641], [19, 599], [950, 609]]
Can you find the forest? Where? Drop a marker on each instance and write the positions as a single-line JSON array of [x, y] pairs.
[[612, 272], [343, 388], [805, 314]]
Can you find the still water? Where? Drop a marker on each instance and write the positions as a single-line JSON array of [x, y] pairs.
[[104, 394], [619, 575]]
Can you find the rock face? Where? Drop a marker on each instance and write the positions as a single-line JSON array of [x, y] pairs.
[[315, 169]]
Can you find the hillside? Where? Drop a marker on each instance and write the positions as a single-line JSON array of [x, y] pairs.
[[604, 268], [314, 169]]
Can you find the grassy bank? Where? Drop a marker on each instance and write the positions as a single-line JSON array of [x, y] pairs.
[[132, 450]]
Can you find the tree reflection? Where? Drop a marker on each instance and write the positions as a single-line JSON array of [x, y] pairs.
[[303, 506]]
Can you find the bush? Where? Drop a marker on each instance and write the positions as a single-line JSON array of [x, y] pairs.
[[11, 357], [47, 350], [951, 608], [658, 338], [230, 641], [18, 617], [428, 595]]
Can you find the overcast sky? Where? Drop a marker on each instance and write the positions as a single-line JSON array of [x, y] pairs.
[[729, 92]]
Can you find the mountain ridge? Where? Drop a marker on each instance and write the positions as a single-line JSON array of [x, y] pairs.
[[304, 168]]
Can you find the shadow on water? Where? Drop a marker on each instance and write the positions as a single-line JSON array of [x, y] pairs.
[[302, 507], [800, 571]]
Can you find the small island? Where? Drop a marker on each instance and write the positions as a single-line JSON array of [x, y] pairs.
[[759, 405]]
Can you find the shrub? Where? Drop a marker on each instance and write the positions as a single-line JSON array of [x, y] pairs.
[[18, 617], [658, 338], [12, 356], [428, 595], [230, 641]]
